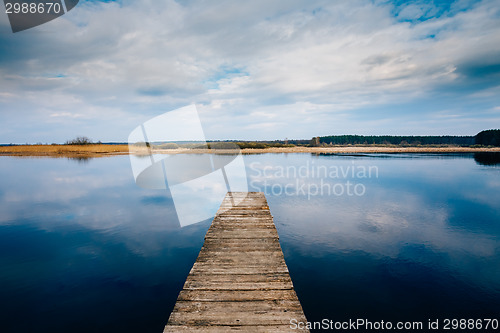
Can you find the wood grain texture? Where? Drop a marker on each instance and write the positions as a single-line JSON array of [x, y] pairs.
[[240, 281]]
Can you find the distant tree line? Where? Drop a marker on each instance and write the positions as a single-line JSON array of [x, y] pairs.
[[488, 138], [249, 144], [483, 138], [397, 140]]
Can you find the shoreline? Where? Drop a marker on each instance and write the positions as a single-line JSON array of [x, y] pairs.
[[371, 149], [91, 151]]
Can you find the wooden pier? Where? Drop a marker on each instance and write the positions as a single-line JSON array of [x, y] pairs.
[[240, 280]]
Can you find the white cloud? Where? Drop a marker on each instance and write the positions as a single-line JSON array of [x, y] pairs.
[[143, 58]]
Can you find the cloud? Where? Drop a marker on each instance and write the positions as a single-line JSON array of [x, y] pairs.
[[142, 58]]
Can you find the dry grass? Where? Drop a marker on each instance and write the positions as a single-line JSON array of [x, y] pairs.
[[101, 150], [97, 150]]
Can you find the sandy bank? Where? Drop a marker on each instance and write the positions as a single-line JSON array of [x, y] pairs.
[[370, 149]]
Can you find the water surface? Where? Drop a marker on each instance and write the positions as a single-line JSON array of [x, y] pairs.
[[422, 242], [414, 237]]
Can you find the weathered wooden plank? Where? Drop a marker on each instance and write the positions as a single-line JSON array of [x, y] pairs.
[[243, 219], [241, 234], [240, 248], [236, 295], [270, 306], [246, 261], [251, 223], [264, 242], [245, 213], [208, 268], [237, 328], [254, 205], [244, 318], [239, 286], [240, 280], [216, 254], [236, 282]]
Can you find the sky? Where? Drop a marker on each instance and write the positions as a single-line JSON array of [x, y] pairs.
[[256, 70]]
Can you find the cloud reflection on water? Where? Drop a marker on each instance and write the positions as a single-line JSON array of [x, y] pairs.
[[446, 204]]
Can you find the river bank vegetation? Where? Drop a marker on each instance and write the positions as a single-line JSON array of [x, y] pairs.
[[486, 141]]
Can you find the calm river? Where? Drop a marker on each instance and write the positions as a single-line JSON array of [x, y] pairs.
[[374, 236]]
